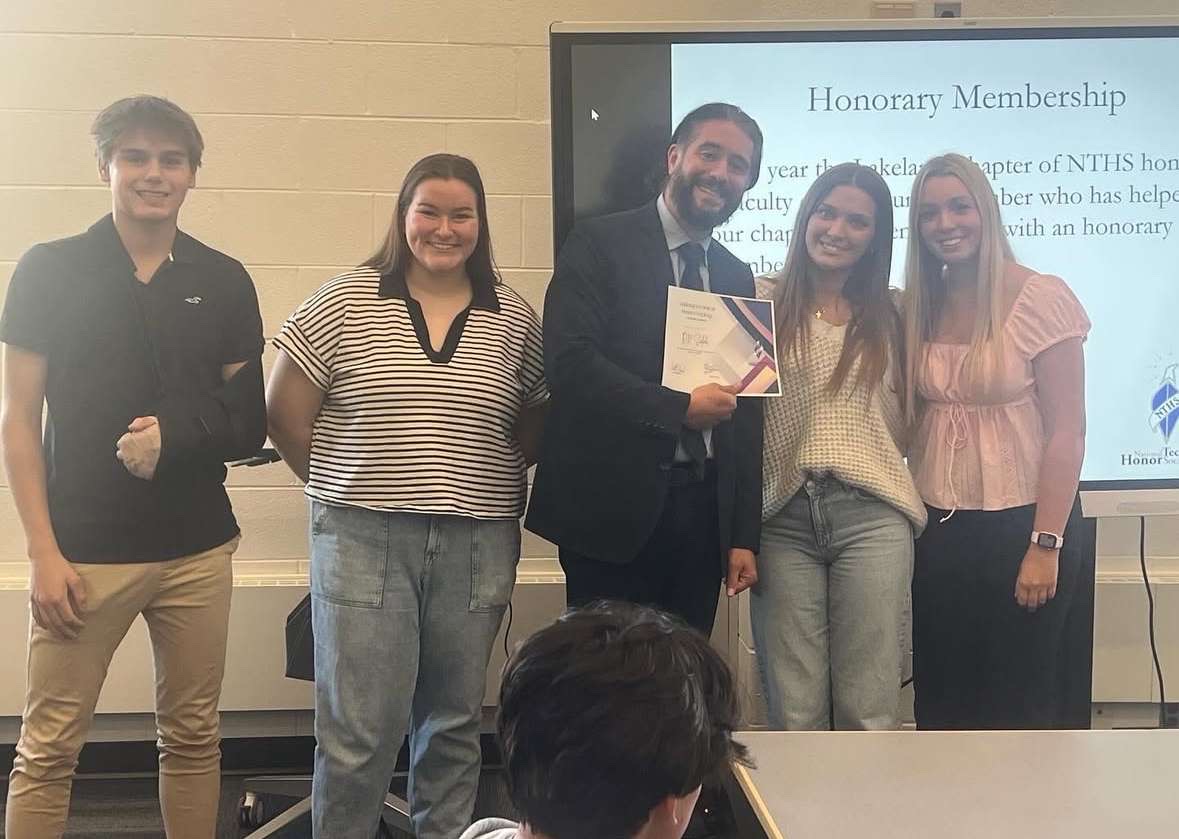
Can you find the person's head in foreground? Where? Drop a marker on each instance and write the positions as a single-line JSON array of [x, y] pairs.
[[610, 719]]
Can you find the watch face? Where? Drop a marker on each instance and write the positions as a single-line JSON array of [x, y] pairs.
[[1046, 540]]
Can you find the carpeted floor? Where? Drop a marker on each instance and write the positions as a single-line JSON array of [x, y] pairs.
[[104, 808]]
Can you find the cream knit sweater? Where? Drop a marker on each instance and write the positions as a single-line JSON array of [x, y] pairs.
[[850, 435]]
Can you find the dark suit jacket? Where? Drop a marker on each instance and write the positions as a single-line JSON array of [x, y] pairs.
[[611, 435]]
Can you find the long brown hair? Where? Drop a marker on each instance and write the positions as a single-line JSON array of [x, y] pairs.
[[925, 285], [394, 256], [875, 328]]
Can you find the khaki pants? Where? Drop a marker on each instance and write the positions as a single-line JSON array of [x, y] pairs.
[[185, 602]]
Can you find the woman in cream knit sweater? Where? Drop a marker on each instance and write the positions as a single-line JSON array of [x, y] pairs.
[[839, 506]]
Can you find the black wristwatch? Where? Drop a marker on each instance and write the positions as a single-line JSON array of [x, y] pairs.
[[1051, 541]]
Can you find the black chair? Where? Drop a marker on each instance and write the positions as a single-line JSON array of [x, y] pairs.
[[252, 808]]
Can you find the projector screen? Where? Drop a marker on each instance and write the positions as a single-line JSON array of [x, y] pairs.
[[1077, 127]]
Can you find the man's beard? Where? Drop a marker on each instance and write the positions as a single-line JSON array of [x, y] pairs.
[[685, 204]]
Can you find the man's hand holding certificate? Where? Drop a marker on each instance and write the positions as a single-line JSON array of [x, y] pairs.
[[711, 404], [719, 339]]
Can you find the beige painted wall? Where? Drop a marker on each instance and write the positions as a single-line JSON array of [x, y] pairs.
[[312, 111]]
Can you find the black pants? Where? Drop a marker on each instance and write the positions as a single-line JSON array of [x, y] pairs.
[[678, 570], [979, 659]]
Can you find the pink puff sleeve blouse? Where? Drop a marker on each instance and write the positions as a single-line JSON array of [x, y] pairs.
[[978, 450]]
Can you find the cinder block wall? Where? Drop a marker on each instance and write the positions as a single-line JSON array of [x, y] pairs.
[[312, 112]]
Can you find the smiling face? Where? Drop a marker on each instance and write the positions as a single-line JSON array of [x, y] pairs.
[[948, 220], [708, 174], [442, 225], [840, 230], [149, 174]]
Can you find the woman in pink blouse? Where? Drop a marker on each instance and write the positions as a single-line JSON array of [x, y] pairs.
[[999, 376]]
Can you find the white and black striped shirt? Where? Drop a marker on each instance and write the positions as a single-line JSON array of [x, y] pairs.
[[405, 427]]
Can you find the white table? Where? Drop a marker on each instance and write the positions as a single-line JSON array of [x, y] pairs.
[[964, 785]]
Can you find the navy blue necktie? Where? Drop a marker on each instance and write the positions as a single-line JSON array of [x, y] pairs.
[[692, 253]]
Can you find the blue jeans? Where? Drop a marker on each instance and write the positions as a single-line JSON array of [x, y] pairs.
[[405, 609], [828, 608]]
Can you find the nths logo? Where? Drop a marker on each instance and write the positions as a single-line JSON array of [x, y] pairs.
[[1164, 405]]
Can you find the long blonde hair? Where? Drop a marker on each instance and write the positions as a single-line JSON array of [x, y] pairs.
[[875, 329], [925, 285]]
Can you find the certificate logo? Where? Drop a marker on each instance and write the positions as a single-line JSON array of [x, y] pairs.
[[1164, 404]]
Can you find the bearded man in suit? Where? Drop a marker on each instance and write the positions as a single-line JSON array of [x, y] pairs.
[[651, 495]]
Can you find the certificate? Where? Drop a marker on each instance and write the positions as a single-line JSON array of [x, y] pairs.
[[720, 338]]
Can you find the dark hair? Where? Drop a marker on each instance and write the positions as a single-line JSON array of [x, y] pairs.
[[145, 111], [394, 256], [686, 130], [607, 712], [875, 329]]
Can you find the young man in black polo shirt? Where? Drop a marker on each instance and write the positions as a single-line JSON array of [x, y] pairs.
[[145, 344]]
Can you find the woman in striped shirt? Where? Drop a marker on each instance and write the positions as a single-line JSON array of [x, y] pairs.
[[407, 394]]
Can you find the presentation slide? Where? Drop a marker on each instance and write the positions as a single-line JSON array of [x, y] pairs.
[[1080, 138]]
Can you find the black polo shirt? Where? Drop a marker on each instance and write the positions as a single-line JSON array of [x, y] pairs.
[[118, 349]]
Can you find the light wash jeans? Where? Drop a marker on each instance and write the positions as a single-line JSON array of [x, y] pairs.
[[828, 608], [405, 609]]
